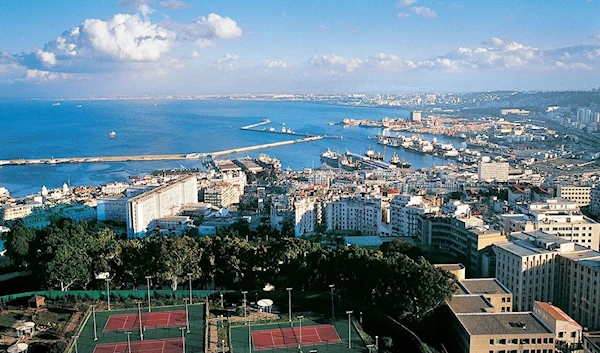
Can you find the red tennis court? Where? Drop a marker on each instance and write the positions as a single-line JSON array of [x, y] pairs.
[[171, 345], [126, 322], [290, 337]]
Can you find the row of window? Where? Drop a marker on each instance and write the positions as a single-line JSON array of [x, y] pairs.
[[546, 340], [524, 351]]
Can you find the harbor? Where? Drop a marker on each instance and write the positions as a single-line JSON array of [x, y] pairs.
[[284, 130]]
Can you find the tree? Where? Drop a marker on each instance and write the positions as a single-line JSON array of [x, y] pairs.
[[69, 265], [401, 247], [19, 242], [178, 256]]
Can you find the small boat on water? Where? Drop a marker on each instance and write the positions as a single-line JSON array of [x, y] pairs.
[[56, 104], [112, 134]]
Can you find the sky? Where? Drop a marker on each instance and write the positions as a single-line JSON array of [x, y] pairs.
[[82, 48]]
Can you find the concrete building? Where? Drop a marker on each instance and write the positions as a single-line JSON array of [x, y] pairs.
[[221, 194], [566, 330], [161, 202], [9, 213], [497, 171], [491, 289], [404, 214], [355, 214], [464, 240], [537, 266], [591, 342], [305, 215], [579, 194], [175, 225], [111, 209], [457, 270], [595, 201], [415, 116]]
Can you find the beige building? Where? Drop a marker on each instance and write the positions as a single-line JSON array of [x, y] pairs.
[[355, 213], [579, 194], [491, 289], [497, 171], [567, 331], [457, 270], [591, 342], [221, 194]]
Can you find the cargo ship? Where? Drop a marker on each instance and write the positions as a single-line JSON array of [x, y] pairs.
[[400, 163], [330, 158]]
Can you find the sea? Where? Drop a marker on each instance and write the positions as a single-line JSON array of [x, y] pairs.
[[32, 129]]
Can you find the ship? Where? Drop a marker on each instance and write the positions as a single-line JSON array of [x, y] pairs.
[[56, 104], [112, 134], [347, 163], [330, 158], [400, 163], [266, 161], [371, 154]]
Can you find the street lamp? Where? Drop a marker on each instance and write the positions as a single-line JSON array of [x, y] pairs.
[[94, 316], [222, 306], [148, 283], [75, 339], [369, 346], [108, 293], [183, 338], [377, 343], [187, 315], [128, 341], [190, 278], [139, 303], [349, 312], [289, 289], [249, 338], [360, 318], [244, 292], [300, 317], [332, 286], [223, 346]]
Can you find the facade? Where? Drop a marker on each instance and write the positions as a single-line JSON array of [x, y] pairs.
[[161, 202], [591, 342], [489, 288], [497, 171], [221, 194], [356, 214], [111, 209], [579, 194], [9, 213], [404, 214], [595, 201], [464, 240], [305, 215], [567, 331], [176, 225]]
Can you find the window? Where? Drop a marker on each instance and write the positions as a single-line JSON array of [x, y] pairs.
[[561, 334], [491, 341]]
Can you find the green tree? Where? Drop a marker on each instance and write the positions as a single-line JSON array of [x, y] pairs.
[[401, 247], [178, 257], [19, 242]]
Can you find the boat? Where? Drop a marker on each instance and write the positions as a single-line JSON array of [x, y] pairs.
[[401, 163], [371, 154], [79, 105], [330, 158], [347, 163], [331, 123], [112, 134], [266, 161], [56, 104]]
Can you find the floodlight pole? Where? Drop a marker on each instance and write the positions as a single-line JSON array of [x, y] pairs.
[[223, 346], [128, 333], [95, 327], [75, 339], [187, 315], [289, 289], [249, 338], [108, 293], [222, 305], [148, 284], [245, 315], [349, 312], [139, 303], [377, 343], [332, 286], [183, 338], [190, 277], [360, 318], [300, 317]]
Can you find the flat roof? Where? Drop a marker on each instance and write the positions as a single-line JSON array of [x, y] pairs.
[[484, 286], [505, 324], [469, 304], [450, 267]]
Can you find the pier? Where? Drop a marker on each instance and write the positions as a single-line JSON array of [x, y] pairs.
[[156, 157], [248, 127], [284, 131]]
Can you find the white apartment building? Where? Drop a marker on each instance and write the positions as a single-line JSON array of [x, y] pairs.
[[355, 213], [222, 194], [497, 171], [114, 188], [404, 214], [8, 213], [305, 215], [161, 202], [536, 266], [579, 194], [111, 209]]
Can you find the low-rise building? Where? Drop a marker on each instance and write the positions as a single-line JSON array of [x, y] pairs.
[[567, 331], [591, 342], [579, 194]]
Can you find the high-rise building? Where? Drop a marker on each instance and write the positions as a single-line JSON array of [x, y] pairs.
[[579, 194], [161, 202], [497, 171], [404, 214], [355, 213]]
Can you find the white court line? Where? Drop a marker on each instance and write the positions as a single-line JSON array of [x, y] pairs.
[[319, 336], [124, 322], [163, 347], [336, 333]]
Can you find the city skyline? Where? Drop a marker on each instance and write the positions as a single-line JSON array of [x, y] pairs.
[[145, 47]]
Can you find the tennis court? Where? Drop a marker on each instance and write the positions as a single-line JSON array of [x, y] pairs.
[[128, 322], [172, 345], [293, 337]]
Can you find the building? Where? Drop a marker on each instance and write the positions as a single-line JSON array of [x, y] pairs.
[[404, 214], [579, 194], [305, 215], [161, 202], [464, 239], [566, 330], [358, 214], [595, 201], [491, 289], [415, 116], [9, 213], [591, 342], [175, 225], [496, 171], [221, 194], [111, 209], [536, 266], [457, 270]]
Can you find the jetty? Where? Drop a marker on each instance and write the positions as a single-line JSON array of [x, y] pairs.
[[284, 131], [247, 127], [153, 157]]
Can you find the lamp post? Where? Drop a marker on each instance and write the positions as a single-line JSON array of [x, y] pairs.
[[223, 346], [369, 346], [300, 317], [349, 312], [190, 278], [222, 306], [249, 338], [75, 339], [183, 338], [289, 289], [139, 303], [95, 327], [108, 293], [187, 315], [332, 286], [360, 318], [148, 283], [377, 343], [128, 341], [244, 292]]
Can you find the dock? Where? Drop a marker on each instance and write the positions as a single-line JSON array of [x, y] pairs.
[[155, 157], [284, 131], [248, 127]]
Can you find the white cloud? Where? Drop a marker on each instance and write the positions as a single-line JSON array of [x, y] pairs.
[[404, 3], [275, 64], [43, 76], [595, 36], [134, 3], [174, 4], [349, 64], [423, 11], [195, 54], [403, 14], [227, 62], [204, 31], [46, 58]]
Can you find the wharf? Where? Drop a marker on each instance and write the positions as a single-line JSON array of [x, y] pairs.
[[156, 157]]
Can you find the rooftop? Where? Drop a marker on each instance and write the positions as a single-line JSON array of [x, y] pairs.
[[451, 267], [483, 286], [556, 312], [470, 304], [505, 324]]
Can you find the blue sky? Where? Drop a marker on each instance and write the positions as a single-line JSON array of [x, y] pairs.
[[86, 48]]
